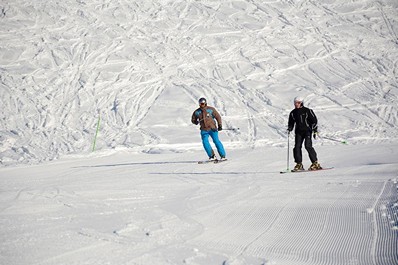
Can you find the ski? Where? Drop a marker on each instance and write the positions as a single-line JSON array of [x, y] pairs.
[[206, 161], [216, 161], [303, 171]]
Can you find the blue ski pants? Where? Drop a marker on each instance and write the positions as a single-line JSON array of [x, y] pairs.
[[206, 144]]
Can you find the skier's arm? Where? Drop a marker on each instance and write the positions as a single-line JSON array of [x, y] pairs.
[[313, 121], [217, 116], [194, 118], [290, 124]]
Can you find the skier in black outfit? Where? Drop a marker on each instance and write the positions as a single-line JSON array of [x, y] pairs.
[[305, 123]]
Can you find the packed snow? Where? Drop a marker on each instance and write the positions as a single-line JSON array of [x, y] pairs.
[[132, 192]]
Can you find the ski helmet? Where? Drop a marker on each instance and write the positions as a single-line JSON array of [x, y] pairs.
[[202, 101], [299, 99]]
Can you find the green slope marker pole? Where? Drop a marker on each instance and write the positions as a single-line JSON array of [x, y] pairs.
[[96, 133]]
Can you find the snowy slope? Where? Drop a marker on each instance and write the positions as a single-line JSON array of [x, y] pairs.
[[129, 208], [140, 66]]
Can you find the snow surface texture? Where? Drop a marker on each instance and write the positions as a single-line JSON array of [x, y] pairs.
[[138, 68], [141, 66], [130, 208]]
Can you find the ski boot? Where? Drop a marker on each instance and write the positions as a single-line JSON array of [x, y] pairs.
[[212, 158], [298, 167], [222, 159], [315, 166]]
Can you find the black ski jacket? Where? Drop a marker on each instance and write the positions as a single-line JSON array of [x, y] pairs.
[[305, 120]]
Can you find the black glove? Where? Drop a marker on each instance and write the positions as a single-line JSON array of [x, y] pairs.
[[219, 128], [196, 122], [315, 132]]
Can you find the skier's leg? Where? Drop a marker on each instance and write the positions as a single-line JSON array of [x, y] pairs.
[[206, 143], [218, 144], [308, 146], [298, 143]]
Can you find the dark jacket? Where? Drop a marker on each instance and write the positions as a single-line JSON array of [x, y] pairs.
[[206, 117], [304, 119]]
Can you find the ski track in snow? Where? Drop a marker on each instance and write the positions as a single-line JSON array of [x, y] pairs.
[[279, 232], [64, 65]]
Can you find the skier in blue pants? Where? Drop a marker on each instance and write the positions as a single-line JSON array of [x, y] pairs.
[[207, 116]]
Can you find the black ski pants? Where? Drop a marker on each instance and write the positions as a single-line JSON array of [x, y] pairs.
[[297, 153]]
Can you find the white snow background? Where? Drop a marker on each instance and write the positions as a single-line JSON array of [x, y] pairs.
[[137, 68]]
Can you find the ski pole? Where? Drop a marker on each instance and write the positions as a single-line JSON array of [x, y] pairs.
[[335, 140], [231, 129], [288, 149]]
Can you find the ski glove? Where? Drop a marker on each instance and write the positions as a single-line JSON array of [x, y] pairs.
[[219, 128], [315, 135]]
